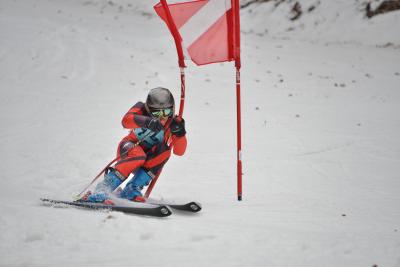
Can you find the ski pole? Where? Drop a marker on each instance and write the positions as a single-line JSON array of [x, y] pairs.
[[108, 165], [95, 178], [154, 180]]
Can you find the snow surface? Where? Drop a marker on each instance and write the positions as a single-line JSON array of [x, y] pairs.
[[320, 137]]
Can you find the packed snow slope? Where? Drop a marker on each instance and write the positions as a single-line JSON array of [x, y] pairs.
[[320, 138]]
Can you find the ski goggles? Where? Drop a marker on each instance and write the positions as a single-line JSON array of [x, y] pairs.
[[166, 112]]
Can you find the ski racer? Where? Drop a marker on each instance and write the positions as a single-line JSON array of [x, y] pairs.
[[154, 132]]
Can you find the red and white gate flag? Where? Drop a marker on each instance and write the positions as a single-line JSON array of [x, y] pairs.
[[207, 29]]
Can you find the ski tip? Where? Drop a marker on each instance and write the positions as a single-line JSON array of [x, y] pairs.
[[194, 206]]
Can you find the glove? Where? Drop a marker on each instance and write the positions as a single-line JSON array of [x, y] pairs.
[[178, 127], [154, 125]]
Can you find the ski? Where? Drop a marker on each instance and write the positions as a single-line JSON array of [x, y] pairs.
[[139, 208], [189, 206]]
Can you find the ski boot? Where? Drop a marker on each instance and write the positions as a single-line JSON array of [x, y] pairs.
[[112, 179], [97, 197], [85, 197], [133, 188]]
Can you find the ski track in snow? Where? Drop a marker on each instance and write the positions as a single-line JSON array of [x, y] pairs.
[[320, 138]]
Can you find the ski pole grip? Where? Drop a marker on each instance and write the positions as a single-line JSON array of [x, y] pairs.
[[178, 118]]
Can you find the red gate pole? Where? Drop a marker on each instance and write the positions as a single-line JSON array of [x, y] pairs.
[[183, 89], [239, 136], [236, 51]]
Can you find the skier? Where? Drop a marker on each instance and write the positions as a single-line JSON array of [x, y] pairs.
[[154, 132]]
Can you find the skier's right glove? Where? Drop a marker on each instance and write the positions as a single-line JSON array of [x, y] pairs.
[[154, 125]]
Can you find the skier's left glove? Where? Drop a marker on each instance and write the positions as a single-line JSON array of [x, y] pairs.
[[154, 125], [178, 127]]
